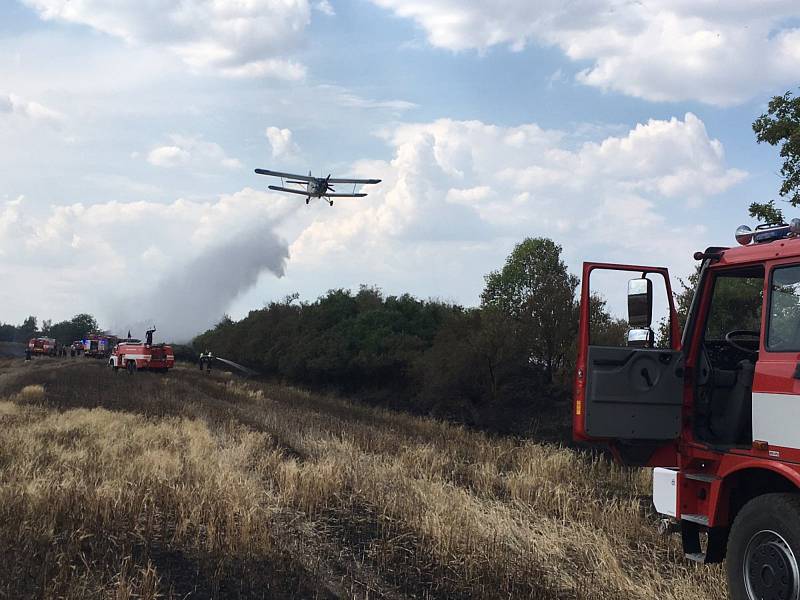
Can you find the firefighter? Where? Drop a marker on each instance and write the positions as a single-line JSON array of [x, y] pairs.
[[209, 360], [149, 336], [202, 360], [27, 354]]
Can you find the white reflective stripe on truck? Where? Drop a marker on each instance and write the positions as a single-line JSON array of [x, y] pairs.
[[775, 419], [665, 491]]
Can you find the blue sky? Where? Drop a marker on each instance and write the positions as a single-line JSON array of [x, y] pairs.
[[620, 129]]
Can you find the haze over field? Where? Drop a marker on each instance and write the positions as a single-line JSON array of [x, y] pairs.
[[620, 130]]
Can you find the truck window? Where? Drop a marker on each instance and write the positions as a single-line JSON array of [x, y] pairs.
[[608, 325], [783, 333]]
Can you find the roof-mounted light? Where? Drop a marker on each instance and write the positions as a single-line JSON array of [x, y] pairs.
[[744, 235], [767, 233]]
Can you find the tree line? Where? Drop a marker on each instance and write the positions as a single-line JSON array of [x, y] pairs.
[[497, 366], [65, 332]]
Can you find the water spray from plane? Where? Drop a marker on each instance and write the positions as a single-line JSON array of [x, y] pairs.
[[195, 295]]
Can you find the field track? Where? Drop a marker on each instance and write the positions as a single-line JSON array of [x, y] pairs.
[[189, 485]]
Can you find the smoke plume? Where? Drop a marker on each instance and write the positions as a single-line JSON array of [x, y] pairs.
[[195, 296]]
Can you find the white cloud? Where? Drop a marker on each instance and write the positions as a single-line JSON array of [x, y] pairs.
[[168, 156], [20, 107], [455, 189], [9, 218], [717, 52], [325, 7], [191, 150], [234, 37], [346, 98], [281, 142], [275, 68]]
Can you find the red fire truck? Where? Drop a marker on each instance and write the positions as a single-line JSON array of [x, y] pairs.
[[43, 346], [135, 355], [98, 345], [715, 411]]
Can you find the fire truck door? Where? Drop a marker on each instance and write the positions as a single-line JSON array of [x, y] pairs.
[[776, 389], [630, 396], [633, 393]]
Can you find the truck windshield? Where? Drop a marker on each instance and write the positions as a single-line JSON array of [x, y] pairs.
[[735, 303]]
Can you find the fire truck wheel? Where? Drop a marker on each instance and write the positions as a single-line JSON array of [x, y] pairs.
[[131, 367], [763, 549]]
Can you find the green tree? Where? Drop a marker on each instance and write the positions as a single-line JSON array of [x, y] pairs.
[[537, 292], [604, 329], [27, 330], [477, 371], [683, 302], [76, 328], [780, 126], [7, 332], [83, 324]]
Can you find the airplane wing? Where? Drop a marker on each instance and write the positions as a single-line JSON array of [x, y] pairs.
[[283, 189], [354, 180], [345, 195], [284, 175]]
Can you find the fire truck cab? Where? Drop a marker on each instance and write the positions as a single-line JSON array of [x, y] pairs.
[[715, 411], [43, 346], [98, 345], [135, 355]]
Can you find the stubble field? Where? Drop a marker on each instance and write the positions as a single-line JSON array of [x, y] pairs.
[[190, 485]]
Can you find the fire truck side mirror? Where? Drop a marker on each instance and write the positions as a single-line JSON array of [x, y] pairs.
[[641, 338], [640, 303]]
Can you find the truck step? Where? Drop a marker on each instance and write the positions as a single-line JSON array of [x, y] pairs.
[[701, 477], [698, 557], [699, 519]]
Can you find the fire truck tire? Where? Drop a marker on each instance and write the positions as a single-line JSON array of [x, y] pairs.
[[764, 549], [131, 367]]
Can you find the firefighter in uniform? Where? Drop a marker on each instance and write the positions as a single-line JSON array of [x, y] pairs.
[[206, 358]]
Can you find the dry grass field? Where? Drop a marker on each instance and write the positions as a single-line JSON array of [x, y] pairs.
[[190, 485]]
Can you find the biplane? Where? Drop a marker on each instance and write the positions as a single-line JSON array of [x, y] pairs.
[[315, 187]]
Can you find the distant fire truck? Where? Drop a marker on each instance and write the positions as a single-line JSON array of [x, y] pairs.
[[98, 345], [43, 346], [717, 411], [135, 355]]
